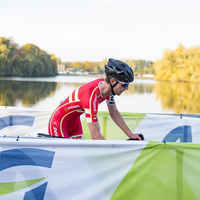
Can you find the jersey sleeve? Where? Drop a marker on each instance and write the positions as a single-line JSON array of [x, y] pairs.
[[90, 97], [91, 112]]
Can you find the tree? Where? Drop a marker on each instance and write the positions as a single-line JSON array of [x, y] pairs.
[[179, 65], [29, 60], [7, 49], [36, 62], [88, 66], [77, 65]]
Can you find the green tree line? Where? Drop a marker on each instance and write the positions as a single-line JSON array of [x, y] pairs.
[[28, 60], [138, 66], [180, 65]]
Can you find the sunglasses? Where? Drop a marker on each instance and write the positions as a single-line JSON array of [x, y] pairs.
[[124, 84]]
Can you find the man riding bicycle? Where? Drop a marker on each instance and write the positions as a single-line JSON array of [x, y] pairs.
[[65, 120]]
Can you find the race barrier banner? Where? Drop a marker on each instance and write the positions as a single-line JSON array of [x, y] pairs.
[[60, 169], [155, 127], [164, 166], [23, 121]]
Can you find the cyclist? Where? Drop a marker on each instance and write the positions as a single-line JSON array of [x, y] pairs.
[[65, 120]]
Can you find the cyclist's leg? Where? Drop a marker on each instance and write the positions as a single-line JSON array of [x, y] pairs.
[[55, 128], [75, 130], [67, 125]]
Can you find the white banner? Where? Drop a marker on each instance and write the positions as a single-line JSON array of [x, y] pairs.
[[60, 169], [170, 128], [23, 121], [155, 127], [63, 169]]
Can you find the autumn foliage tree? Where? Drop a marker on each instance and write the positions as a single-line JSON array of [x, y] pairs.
[[138, 66], [29, 60], [7, 49], [180, 65]]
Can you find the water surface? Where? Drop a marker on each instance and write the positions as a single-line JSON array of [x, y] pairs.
[[143, 96]]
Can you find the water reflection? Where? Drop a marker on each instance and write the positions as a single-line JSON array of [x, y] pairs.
[[140, 88], [173, 97], [26, 92], [179, 97]]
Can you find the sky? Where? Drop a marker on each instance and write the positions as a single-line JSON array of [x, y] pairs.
[[94, 30]]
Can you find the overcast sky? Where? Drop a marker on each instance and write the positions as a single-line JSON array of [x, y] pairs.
[[80, 30]]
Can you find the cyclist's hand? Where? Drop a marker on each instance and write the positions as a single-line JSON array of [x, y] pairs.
[[138, 136]]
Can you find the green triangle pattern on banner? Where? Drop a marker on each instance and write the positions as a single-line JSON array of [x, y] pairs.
[[109, 129], [163, 171], [9, 187]]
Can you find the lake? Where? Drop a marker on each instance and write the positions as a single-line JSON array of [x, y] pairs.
[[143, 96]]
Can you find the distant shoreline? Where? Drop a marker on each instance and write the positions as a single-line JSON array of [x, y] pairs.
[[92, 75], [102, 75]]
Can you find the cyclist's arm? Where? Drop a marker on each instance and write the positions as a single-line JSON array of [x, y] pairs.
[[95, 131], [118, 119]]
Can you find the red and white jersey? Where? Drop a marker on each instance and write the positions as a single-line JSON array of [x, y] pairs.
[[86, 98]]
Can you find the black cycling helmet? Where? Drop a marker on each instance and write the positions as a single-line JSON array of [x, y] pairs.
[[119, 71]]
